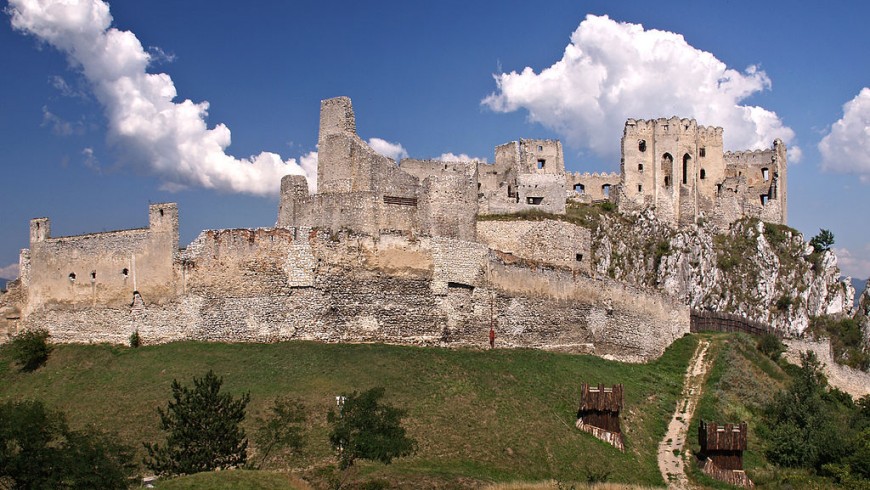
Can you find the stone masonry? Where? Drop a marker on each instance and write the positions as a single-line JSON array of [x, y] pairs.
[[393, 252]]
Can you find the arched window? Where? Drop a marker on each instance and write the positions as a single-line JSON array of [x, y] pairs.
[[667, 167], [703, 174], [641, 145], [686, 159]]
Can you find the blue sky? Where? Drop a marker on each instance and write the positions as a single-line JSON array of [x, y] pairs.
[[429, 78]]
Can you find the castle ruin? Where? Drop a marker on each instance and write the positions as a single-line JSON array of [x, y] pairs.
[[395, 252]]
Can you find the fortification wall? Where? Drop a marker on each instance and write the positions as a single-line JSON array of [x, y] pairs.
[[852, 381], [281, 284], [547, 242]]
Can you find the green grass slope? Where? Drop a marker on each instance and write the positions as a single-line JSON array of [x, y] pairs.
[[478, 416]]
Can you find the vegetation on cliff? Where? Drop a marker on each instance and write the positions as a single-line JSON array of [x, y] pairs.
[[802, 433]]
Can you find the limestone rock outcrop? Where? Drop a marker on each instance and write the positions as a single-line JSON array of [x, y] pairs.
[[765, 272]]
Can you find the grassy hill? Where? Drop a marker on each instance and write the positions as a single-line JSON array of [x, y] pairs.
[[479, 416]]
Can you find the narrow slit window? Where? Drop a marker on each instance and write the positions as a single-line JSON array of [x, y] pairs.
[[765, 174], [702, 152], [703, 174], [640, 167], [639, 188], [764, 199]]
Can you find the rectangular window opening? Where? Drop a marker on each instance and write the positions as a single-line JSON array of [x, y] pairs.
[[534, 200], [541, 163]]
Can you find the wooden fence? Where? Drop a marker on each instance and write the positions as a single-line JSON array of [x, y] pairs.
[[711, 321]]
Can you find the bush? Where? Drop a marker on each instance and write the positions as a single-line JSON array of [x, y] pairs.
[[280, 431], [30, 349], [38, 450], [366, 428], [770, 345], [801, 431], [204, 430], [135, 339]]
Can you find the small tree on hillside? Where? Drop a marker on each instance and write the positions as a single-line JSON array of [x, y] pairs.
[[30, 349], [281, 431], [204, 430], [366, 428]]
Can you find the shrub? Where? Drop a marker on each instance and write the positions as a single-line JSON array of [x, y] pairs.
[[366, 428], [30, 349], [281, 430], [38, 450], [770, 345], [135, 339], [204, 430]]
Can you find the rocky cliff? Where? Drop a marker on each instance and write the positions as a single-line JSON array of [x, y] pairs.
[[762, 271]]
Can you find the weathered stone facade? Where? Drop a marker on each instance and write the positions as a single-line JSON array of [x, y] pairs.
[[301, 283], [394, 252], [678, 168]]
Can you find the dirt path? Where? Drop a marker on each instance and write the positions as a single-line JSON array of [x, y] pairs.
[[672, 465]]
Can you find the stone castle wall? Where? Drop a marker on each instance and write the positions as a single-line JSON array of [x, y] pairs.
[[282, 284]]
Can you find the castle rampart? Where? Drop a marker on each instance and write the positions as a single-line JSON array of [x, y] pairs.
[[395, 252]]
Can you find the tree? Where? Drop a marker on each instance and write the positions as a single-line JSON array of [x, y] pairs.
[[823, 241], [204, 430], [30, 349], [38, 450], [800, 429], [281, 429], [365, 428]]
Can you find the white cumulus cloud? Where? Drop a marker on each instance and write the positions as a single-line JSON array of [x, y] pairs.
[[170, 138], [390, 150], [612, 71], [10, 271], [852, 265], [462, 157], [846, 148]]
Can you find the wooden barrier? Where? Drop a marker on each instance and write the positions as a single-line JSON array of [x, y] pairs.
[[711, 321]]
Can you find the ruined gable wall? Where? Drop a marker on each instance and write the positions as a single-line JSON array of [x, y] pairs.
[[588, 188], [547, 242], [98, 262]]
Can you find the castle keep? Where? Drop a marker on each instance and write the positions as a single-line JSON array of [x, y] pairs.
[[395, 252]]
